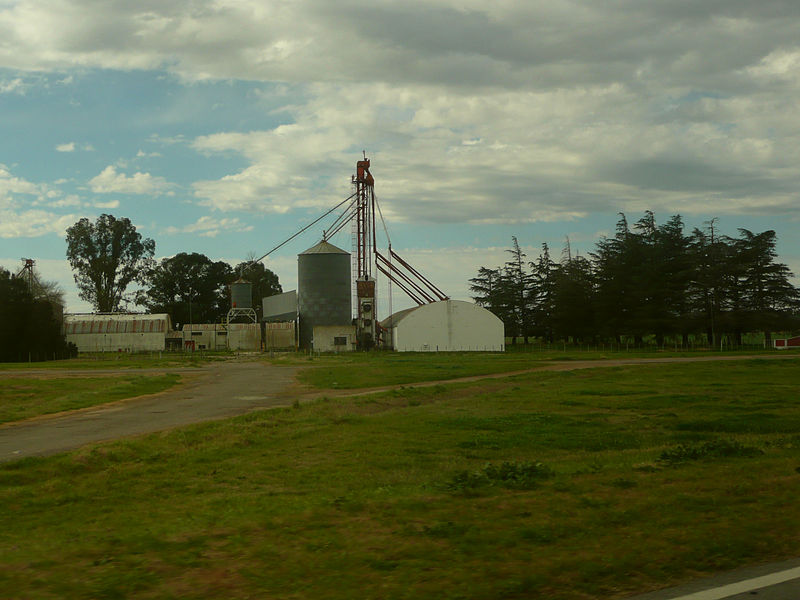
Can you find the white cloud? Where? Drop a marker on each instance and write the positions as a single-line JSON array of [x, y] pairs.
[[109, 181], [546, 156], [33, 223], [504, 113], [12, 188], [69, 147], [109, 204], [15, 85], [211, 227]]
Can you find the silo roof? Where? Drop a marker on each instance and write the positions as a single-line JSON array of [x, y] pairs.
[[325, 247]]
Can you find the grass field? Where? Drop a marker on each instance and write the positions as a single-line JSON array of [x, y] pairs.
[[23, 397], [123, 360], [363, 369], [587, 484]]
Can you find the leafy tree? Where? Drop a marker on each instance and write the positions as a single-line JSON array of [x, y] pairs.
[[188, 283], [106, 257], [40, 288], [28, 326], [265, 282]]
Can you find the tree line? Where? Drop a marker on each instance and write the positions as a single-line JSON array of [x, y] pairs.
[[30, 322], [108, 255], [645, 280]]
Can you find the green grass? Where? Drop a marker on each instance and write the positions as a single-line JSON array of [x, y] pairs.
[[363, 369], [23, 398], [552, 485], [124, 360]]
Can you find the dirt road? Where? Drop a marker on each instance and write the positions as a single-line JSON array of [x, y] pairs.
[[224, 390], [215, 392]]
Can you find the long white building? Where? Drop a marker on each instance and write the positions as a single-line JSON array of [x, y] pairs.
[[117, 332]]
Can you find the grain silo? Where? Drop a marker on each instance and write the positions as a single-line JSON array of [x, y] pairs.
[[241, 294], [324, 289]]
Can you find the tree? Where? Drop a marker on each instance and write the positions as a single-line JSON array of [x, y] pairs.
[[29, 328], [516, 287], [543, 296], [573, 298], [186, 279], [265, 282], [106, 257], [767, 296]]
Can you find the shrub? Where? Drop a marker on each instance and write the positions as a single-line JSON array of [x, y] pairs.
[[713, 449], [514, 475]]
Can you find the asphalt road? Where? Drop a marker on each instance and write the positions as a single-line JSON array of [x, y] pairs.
[[775, 581], [215, 392]]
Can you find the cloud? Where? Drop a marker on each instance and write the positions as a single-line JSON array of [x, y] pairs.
[[211, 227], [544, 156], [33, 223], [15, 86], [109, 204], [109, 181], [71, 147], [468, 44], [11, 186], [503, 113]]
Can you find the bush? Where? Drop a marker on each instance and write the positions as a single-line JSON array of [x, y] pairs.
[[514, 475], [713, 449]]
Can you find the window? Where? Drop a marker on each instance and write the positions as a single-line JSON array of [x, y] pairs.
[[340, 341], [197, 333]]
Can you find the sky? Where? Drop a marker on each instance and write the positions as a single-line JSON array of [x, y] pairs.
[[223, 127]]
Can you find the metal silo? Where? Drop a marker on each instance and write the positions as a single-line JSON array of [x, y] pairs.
[[241, 294], [323, 289]]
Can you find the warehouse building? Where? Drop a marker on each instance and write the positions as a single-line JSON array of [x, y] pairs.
[[445, 326], [117, 332]]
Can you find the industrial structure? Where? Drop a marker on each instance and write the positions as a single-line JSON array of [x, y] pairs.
[[323, 289], [334, 308], [117, 332], [445, 326]]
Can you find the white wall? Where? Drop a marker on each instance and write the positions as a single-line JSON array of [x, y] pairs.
[[117, 332], [324, 337], [449, 326]]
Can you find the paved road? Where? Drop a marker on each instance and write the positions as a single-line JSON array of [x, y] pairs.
[[776, 581], [218, 391]]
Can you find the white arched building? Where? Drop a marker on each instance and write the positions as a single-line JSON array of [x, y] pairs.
[[446, 326]]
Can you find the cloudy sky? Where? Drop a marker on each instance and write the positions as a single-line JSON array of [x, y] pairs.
[[222, 127]]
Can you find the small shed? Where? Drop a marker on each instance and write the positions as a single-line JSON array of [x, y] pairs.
[[117, 332], [446, 326]]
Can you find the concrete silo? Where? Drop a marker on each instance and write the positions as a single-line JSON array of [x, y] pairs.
[[323, 289]]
